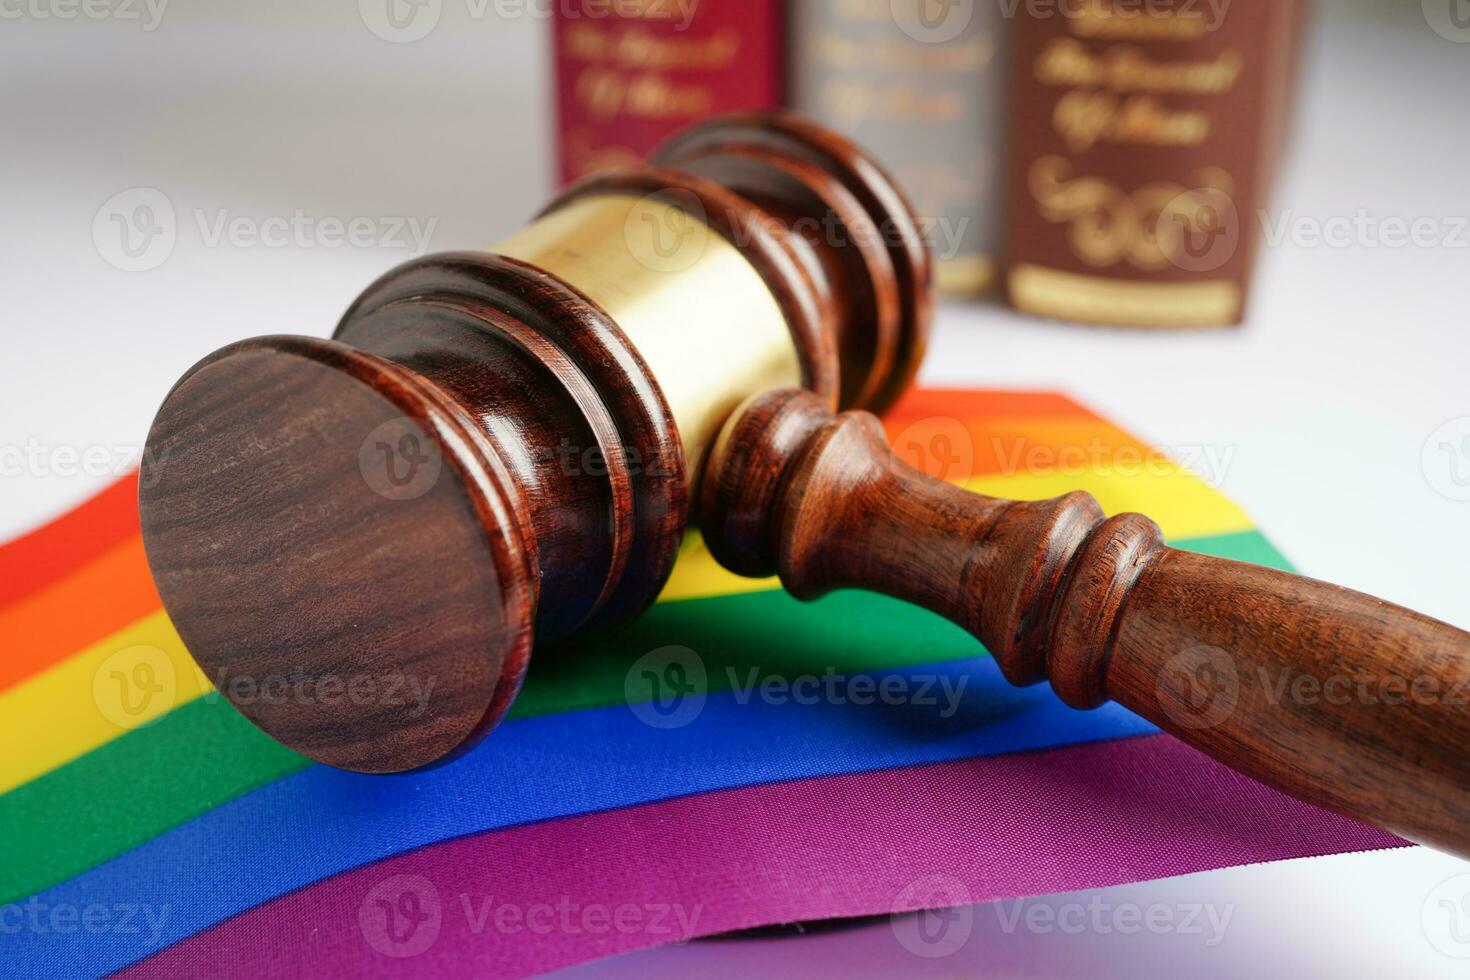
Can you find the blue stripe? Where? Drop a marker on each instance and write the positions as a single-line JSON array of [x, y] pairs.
[[321, 821]]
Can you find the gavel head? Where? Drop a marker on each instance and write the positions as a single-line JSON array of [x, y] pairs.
[[358, 538]]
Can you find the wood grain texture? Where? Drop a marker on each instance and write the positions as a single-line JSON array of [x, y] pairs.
[[340, 551], [855, 229], [359, 538], [1335, 697], [615, 426], [292, 540]]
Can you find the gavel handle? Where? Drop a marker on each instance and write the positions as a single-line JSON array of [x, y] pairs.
[[1335, 697]]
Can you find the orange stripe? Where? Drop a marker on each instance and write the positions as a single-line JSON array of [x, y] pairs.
[[949, 448], [955, 435], [984, 406], [46, 627], [57, 549]]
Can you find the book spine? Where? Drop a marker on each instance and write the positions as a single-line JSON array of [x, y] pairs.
[[1144, 140], [631, 72], [920, 84]]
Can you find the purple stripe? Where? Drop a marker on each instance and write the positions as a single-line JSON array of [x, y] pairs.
[[547, 895]]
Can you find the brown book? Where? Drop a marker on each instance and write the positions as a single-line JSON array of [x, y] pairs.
[[921, 85], [1144, 140]]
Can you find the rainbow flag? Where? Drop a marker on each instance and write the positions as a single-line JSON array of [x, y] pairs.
[[733, 759]]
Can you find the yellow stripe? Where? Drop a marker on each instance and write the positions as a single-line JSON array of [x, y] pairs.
[[699, 576], [127, 681], [139, 674], [1182, 504]]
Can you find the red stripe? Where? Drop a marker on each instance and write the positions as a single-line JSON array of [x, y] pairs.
[[55, 550], [969, 405], [109, 593]]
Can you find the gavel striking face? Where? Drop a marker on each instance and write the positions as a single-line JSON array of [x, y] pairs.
[[506, 445]]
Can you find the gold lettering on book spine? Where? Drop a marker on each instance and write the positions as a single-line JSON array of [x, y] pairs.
[[1151, 228], [1092, 299], [626, 72]]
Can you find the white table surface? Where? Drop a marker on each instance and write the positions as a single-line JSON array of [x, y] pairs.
[[1323, 405]]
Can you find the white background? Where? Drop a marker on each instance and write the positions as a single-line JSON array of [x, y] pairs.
[[1323, 404]]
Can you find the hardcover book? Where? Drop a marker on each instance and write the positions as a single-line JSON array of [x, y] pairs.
[[629, 74], [921, 85], [1144, 140]]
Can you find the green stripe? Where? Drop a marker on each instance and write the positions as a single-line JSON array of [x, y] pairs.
[[204, 754], [1249, 546]]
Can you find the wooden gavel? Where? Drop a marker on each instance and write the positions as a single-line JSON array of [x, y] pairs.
[[506, 444]]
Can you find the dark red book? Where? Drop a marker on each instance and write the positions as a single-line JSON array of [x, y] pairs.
[[629, 74]]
